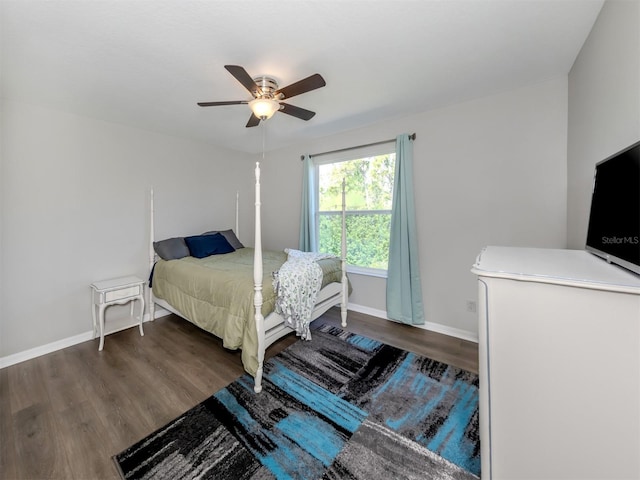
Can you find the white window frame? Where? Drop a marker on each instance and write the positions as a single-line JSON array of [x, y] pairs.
[[343, 156]]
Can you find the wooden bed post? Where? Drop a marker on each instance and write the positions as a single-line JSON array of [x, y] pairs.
[[152, 258], [343, 254], [237, 230], [257, 281]]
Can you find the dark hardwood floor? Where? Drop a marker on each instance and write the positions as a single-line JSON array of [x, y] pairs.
[[64, 415]]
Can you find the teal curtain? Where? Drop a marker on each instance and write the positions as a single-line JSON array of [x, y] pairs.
[[308, 237], [404, 288]]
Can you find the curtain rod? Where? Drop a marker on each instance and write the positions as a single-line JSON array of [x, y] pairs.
[[411, 137]]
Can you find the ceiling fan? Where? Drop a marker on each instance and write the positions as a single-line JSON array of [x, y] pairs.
[[267, 97]]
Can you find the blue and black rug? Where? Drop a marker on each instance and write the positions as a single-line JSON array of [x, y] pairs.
[[341, 406]]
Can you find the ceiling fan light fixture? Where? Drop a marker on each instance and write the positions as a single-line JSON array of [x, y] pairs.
[[264, 108], [267, 95]]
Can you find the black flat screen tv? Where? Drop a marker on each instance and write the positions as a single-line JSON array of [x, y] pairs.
[[614, 219]]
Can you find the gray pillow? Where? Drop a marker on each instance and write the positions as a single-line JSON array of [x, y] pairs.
[[229, 235], [171, 248]]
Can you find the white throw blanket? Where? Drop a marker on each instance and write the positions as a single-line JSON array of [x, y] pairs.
[[297, 284]]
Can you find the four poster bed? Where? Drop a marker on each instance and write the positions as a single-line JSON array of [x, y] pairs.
[[232, 295]]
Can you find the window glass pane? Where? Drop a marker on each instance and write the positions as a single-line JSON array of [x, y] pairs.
[[369, 183], [367, 238], [368, 174]]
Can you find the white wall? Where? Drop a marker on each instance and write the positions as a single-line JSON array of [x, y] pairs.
[[75, 200], [491, 171], [604, 105]]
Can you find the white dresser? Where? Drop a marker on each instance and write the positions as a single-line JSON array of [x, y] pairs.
[[559, 346]]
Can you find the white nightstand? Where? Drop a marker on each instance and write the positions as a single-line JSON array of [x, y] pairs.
[[116, 291]]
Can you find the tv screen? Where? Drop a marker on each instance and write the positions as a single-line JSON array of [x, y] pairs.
[[614, 220]]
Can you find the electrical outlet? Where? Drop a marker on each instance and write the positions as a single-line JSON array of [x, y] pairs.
[[471, 306]]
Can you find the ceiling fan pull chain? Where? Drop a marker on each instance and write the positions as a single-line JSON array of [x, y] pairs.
[[263, 139]]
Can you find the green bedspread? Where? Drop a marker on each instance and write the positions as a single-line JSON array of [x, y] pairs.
[[216, 294]]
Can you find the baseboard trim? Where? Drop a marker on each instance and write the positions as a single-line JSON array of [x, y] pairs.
[[161, 312], [45, 349], [67, 342], [432, 327]]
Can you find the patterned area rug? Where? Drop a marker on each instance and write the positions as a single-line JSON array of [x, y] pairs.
[[341, 406]]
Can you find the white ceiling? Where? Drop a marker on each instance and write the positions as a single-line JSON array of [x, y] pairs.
[[147, 63]]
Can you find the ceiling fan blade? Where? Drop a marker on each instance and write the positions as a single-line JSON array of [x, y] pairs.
[[253, 121], [216, 104], [244, 78], [302, 86], [296, 111]]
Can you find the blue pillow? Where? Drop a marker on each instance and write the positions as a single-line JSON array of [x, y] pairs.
[[201, 246], [229, 235]]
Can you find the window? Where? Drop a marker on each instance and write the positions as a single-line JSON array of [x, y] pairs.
[[369, 191]]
